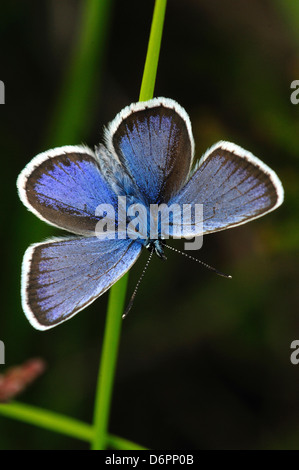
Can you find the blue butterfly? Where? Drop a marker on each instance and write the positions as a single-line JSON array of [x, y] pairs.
[[147, 158]]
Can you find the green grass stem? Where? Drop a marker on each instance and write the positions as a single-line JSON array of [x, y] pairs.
[[118, 291], [61, 424], [47, 420]]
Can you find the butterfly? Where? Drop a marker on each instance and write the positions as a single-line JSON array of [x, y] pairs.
[[147, 158]]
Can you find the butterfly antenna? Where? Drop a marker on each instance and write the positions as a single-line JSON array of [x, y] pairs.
[[130, 304], [199, 261]]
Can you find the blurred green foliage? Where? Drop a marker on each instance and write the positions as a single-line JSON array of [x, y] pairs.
[[204, 361]]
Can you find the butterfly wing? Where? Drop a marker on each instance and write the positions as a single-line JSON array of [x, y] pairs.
[[153, 140], [63, 187], [61, 277], [234, 187]]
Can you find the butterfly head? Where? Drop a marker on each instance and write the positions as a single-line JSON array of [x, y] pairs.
[[157, 246]]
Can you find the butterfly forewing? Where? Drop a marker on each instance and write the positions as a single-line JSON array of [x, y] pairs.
[[153, 140], [64, 186], [233, 186]]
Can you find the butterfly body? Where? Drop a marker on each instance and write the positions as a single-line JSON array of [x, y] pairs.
[[131, 192]]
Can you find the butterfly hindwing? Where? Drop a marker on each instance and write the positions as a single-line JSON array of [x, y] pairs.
[[61, 277]]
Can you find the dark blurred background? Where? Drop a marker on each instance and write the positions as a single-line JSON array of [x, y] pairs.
[[204, 362]]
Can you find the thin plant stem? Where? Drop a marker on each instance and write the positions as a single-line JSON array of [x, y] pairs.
[[61, 424], [116, 442], [48, 420], [153, 52], [118, 291], [108, 363]]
